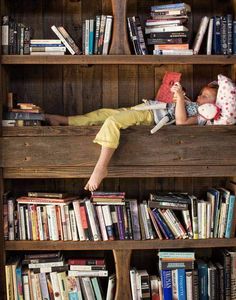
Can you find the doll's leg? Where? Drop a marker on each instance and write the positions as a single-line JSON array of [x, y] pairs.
[[108, 137]]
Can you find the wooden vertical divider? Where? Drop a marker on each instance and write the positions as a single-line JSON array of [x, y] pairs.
[[122, 263], [119, 44]]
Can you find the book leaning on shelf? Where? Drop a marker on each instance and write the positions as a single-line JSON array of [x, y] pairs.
[[66, 39]]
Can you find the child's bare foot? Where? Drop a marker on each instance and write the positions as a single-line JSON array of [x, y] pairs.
[[96, 178]]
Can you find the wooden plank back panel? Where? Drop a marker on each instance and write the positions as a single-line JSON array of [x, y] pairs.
[[172, 146]]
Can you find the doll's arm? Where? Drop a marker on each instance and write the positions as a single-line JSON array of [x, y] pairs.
[[181, 117]]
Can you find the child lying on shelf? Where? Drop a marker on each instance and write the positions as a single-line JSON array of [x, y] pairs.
[[183, 111]]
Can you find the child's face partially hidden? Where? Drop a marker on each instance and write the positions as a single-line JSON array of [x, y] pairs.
[[207, 95]]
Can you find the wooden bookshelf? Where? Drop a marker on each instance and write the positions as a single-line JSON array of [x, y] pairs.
[[118, 59], [178, 158]]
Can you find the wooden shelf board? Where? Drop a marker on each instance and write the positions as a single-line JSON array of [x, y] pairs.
[[118, 59], [118, 245], [121, 172]]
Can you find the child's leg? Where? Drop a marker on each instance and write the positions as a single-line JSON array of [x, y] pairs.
[[108, 137], [100, 170], [96, 117]]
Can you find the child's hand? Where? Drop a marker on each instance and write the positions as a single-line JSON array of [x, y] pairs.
[[178, 92]]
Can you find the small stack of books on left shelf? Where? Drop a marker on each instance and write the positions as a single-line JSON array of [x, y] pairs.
[[46, 47], [21, 113], [168, 29], [50, 276]]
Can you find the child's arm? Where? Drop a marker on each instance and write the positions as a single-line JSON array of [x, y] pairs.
[[181, 117]]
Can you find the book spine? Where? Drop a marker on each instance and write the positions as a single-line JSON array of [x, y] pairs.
[[107, 35], [63, 221], [101, 222], [55, 286], [101, 34], [230, 216], [108, 222], [203, 280], [166, 284], [127, 208], [97, 29], [91, 36], [114, 221], [5, 35], [26, 289], [84, 221], [163, 226], [43, 286], [194, 205], [135, 219], [200, 34], [216, 35], [223, 35], [92, 221], [229, 27], [209, 37], [61, 37], [76, 206], [120, 222], [181, 284], [73, 225], [189, 285]]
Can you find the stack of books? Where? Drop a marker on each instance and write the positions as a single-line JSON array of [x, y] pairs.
[[48, 276], [22, 114], [47, 47], [97, 35], [167, 29]]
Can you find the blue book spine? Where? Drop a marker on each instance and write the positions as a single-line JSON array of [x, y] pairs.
[[166, 284], [181, 284], [229, 221], [19, 283], [216, 35], [91, 36], [168, 6], [202, 280], [167, 232], [73, 296]]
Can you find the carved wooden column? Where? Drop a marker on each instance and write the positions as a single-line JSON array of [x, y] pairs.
[[122, 263], [119, 44]]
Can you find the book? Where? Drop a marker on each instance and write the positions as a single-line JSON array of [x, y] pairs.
[[216, 46], [166, 29], [107, 35], [200, 34], [164, 93], [209, 37], [173, 52], [63, 40], [69, 40], [23, 116]]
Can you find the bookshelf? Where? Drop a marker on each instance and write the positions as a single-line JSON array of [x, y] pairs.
[[57, 158]]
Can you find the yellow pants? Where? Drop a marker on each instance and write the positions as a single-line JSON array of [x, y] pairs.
[[113, 120]]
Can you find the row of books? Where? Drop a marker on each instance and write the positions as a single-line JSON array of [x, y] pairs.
[[49, 276], [97, 35], [18, 113], [109, 216], [183, 277]]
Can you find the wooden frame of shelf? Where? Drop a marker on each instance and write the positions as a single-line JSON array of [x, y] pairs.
[[118, 59]]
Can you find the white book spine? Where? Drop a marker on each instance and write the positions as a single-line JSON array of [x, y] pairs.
[[174, 278], [188, 223], [148, 222], [133, 282], [47, 49], [208, 220], [209, 37], [27, 224], [44, 286], [54, 227], [199, 215], [63, 221], [222, 220], [46, 265], [86, 37], [40, 223], [101, 222], [10, 209], [87, 287], [62, 281], [189, 285], [22, 223], [107, 35], [110, 287], [26, 290], [200, 34], [76, 206], [204, 221], [107, 215], [55, 285], [60, 36], [73, 225], [89, 208], [93, 273], [170, 224], [67, 218]]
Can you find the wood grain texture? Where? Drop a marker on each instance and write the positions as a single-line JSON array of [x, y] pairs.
[[122, 264], [118, 245], [180, 146]]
